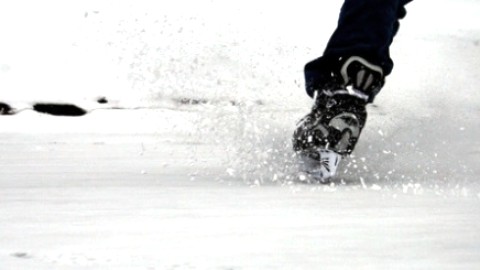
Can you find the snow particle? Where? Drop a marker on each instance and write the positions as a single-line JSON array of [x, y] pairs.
[[362, 181], [231, 172]]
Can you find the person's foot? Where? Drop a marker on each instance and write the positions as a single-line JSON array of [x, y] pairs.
[[333, 124], [333, 127]]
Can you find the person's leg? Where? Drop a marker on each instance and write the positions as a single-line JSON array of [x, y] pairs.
[[344, 80], [366, 29]]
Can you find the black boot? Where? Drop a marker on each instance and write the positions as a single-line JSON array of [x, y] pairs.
[[333, 127]]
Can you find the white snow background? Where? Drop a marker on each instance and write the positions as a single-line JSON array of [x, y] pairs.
[[161, 184]]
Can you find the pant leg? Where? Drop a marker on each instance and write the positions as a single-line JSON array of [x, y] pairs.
[[366, 28]]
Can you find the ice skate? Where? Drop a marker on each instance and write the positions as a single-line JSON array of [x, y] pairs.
[[331, 130]]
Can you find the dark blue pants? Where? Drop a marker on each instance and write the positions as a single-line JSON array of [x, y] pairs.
[[365, 28]]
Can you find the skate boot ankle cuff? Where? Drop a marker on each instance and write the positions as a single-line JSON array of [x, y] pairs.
[[362, 78]]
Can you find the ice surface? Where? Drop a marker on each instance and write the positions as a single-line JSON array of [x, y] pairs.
[[107, 197], [200, 174]]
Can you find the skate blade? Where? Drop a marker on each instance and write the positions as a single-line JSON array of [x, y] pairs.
[[321, 165]]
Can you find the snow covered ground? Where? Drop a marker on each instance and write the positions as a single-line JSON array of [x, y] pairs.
[[169, 185]]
